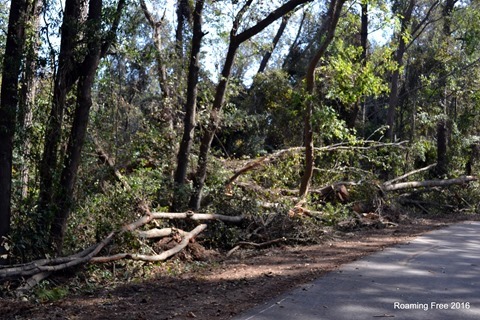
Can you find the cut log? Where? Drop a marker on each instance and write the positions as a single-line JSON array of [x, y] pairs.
[[31, 283]]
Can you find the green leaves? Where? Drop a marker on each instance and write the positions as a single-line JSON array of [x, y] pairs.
[[347, 79], [329, 126]]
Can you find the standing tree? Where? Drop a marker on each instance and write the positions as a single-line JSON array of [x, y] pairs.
[[82, 45], [184, 17], [443, 124], [8, 107], [65, 77], [189, 122], [157, 26], [28, 91], [97, 47], [328, 27], [405, 16], [268, 53], [236, 39]]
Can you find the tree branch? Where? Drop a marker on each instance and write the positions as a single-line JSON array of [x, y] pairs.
[[154, 258], [409, 174], [428, 183]]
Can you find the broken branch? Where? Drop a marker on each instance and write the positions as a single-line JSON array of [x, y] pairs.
[[428, 183], [363, 145], [159, 233], [154, 258], [409, 174], [195, 216]]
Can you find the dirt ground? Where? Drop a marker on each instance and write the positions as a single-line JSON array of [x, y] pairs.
[[227, 286]]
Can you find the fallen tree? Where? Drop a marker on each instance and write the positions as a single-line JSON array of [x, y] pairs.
[[342, 146], [428, 183], [40, 269], [157, 257], [30, 274]]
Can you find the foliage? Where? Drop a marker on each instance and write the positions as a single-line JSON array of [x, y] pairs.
[[3, 28], [48, 292], [347, 78], [139, 127]]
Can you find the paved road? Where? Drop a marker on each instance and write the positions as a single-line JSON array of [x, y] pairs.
[[436, 276]]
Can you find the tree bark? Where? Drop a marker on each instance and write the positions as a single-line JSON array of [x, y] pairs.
[[160, 59], [191, 103], [27, 93], [444, 124], [235, 41], [428, 183], [268, 54], [363, 57], [65, 77], [87, 71], [329, 26], [8, 109], [79, 128], [184, 15]]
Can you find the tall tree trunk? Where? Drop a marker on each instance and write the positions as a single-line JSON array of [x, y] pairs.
[[293, 50], [210, 129], [8, 109], [268, 53], [443, 125], [349, 111], [191, 103], [157, 27], [364, 32], [27, 93], [363, 56], [64, 198], [97, 48], [66, 76], [393, 98], [235, 41], [329, 26], [184, 15]]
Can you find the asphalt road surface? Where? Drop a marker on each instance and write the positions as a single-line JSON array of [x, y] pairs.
[[436, 276]]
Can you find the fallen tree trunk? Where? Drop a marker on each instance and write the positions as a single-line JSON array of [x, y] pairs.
[[31, 283], [105, 158], [149, 216], [153, 258], [345, 146], [196, 216], [406, 175], [261, 162], [427, 183], [40, 269], [159, 233], [47, 265]]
